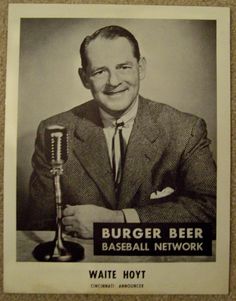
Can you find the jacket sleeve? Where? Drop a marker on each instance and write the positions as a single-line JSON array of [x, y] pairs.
[[195, 197], [41, 203]]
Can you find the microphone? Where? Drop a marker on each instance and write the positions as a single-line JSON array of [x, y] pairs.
[[56, 144], [56, 151]]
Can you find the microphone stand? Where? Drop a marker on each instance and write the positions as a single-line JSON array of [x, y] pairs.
[[58, 250]]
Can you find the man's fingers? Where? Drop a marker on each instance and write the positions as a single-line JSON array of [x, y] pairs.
[[69, 228], [69, 210], [68, 220]]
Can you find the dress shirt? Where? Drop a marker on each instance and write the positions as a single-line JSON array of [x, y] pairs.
[[109, 123]]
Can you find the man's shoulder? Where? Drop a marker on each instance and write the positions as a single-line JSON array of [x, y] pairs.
[[175, 125], [168, 114], [68, 117]]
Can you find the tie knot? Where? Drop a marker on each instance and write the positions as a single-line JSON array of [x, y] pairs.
[[120, 124]]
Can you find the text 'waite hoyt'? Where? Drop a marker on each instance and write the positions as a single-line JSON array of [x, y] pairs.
[[112, 274]]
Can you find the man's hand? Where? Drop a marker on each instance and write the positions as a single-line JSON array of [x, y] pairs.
[[80, 218]]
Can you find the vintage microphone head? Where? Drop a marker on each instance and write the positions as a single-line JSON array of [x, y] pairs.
[[56, 144]]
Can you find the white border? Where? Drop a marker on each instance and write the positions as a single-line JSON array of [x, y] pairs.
[[171, 278]]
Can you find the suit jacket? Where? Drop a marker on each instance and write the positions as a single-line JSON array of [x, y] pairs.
[[167, 148]]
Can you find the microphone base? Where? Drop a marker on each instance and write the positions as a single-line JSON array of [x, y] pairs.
[[71, 252]]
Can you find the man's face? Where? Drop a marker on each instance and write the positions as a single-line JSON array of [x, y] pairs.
[[113, 74]]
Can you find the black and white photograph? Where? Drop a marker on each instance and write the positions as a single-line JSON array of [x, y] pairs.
[[118, 147]]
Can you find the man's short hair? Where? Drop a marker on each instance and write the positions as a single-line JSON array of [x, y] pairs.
[[110, 33]]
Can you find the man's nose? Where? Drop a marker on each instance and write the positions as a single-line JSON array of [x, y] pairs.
[[113, 79]]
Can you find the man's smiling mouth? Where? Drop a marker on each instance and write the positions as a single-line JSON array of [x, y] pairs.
[[113, 92]]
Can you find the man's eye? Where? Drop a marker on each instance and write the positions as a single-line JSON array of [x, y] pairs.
[[125, 67], [98, 72]]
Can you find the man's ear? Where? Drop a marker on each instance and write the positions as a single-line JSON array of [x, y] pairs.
[[83, 77], [142, 68]]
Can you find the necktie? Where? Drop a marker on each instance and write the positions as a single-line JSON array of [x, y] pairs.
[[118, 154]]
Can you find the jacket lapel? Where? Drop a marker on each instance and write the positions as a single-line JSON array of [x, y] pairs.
[[91, 149], [146, 146], [147, 143]]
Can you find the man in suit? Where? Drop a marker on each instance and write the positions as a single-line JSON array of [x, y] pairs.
[[130, 159]]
